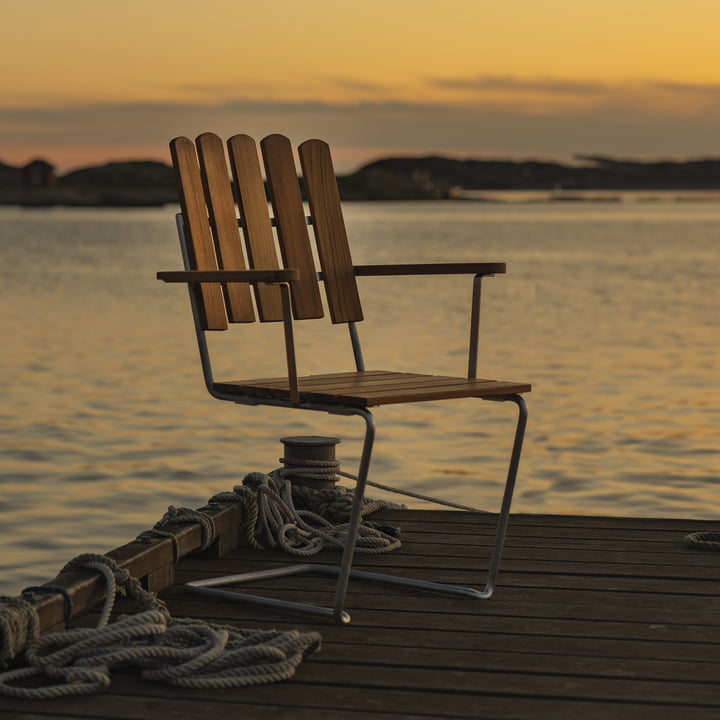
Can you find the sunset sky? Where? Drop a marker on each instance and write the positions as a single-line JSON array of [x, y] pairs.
[[83, 82]]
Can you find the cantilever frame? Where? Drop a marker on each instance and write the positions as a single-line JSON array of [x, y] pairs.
[[344, 571]]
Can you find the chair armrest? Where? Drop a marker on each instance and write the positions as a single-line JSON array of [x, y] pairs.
[[478, 270], [251, 276], [431, 269]]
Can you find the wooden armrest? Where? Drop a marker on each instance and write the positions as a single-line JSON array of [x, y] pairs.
[[251, 276], [431, 269]]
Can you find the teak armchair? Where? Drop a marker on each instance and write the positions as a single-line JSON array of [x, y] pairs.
[[212, 236]]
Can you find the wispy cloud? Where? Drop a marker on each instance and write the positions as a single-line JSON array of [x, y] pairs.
[[360, 131], [558, 95], [510, 84]]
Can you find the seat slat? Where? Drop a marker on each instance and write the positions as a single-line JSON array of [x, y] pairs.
[[201, 250], [292, 230], [260, 242], [330, 232], [221, 209], [374, 388]]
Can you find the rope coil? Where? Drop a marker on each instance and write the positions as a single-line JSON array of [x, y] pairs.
[[181, 515], [276, 513], [284, 518], [185, 653], [706, 540]]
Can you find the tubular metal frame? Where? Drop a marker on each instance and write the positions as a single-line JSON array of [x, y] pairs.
[[344, 571]]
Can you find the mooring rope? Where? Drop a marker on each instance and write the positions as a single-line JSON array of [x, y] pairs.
[[181, 515], [330, 469], [19, 625], [278, 523], [705, 540], [181, 652], [276, 514]]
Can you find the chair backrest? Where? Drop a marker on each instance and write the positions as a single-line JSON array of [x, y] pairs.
[[219, 237]]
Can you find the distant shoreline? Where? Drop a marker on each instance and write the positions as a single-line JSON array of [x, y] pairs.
[[599, 196], [593, 179]]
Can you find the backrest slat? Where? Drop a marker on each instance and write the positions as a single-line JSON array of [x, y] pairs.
[[257, 227], [200, 247], [292, 230], [330, 233], [223, 221]]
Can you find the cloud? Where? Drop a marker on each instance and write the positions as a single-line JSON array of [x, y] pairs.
[[360, 131], [556, 95], [509, 84]]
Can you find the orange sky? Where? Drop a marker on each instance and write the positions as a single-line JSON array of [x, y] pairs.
[[84, 82]]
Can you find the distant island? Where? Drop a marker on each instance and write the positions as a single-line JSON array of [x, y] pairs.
[[150, 183]]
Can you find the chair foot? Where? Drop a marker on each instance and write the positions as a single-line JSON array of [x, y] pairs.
[[344, 571], [210, 587]]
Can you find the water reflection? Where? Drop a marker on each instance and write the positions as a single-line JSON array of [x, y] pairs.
[[105, 420]]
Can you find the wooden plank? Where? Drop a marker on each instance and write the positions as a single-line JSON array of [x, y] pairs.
[[494, 268], [364, 390], [591, 643], [330, 233], [223, 221], [512, 602], [298, 700], [232, 276], [257, 228], [152, 561], [284, 192], [200, 246]]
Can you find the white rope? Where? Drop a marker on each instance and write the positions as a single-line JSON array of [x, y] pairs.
[[187, 653], [329, 469], [19, 625], [302, 532], [181, 515], [704, 540]]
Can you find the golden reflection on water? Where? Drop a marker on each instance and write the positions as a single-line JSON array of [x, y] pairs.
[[105, 420]]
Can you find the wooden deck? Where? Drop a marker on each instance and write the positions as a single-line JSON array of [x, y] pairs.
[[593, 618]]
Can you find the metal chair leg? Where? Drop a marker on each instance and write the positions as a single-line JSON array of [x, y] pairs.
[[355, 515], [500, 533], [344, 571]]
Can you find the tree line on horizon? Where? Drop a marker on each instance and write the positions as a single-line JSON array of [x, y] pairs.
[[151, 183]]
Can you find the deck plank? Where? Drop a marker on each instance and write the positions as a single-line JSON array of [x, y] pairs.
[[593, 618]]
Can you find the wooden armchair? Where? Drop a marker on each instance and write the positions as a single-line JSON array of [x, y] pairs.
[[288, 288]]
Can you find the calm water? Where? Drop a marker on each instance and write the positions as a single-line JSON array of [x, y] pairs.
[[610, 310]]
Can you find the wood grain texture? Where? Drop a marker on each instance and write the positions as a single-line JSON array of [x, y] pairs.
[[247, 276], [284, 191], [257, 229], [587, 621], [223, 221], [373, 388], [201, 248], [330, 232], [431, 269]]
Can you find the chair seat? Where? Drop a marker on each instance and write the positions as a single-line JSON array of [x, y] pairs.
[[370, 388]]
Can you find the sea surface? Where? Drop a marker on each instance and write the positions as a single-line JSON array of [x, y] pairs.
[[610, 310]]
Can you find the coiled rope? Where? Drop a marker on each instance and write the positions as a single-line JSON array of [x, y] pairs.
[[181, 515], [185, 652], [19, 625], [706, 540], [276, 514], [301, 520]]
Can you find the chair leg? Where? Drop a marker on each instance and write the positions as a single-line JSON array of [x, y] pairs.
[[355, 516], [508, 494], [500, 533], [344, 572]]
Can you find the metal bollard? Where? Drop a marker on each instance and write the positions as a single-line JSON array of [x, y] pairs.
[[310, 448]]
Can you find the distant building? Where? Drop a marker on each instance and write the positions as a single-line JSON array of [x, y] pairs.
[[38, 175]]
